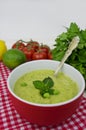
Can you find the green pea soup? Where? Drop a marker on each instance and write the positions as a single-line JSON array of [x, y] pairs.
[[25, 89]]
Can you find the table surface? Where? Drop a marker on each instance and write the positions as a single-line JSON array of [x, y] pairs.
[[10, 119]]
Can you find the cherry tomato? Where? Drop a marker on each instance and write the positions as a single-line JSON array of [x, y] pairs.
[[50, 55], [28, 53], [39, 55], [45, 48], [19, 45], [33, 44]]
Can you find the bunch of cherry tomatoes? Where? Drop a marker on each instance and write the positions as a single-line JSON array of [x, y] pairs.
[[33, 50]]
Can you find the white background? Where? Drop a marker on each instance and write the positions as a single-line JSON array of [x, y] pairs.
[[41, 20]]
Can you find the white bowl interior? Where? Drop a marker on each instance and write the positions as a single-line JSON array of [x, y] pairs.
[[45, 64]]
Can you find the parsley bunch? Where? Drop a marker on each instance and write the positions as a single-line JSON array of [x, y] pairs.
[[78, 57]]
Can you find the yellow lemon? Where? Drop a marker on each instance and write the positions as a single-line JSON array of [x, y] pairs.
[[3, 48]]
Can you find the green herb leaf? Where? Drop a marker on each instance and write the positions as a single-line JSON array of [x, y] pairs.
[[78, 56], [82, 56], [73, 29], [48, 82], [45, 87], [38, 84]]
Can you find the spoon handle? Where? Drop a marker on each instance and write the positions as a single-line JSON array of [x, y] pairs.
[[73, 44]]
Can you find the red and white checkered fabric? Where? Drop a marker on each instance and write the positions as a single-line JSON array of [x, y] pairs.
[[11, 120]]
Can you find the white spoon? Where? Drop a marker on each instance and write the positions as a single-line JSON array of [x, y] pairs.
[[73, 44]]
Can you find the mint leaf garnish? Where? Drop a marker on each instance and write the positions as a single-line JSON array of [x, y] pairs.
[[38, 84], [45, 87], [48, 82]]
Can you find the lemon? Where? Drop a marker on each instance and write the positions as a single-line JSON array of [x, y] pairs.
[[13, 58], [3, 48]]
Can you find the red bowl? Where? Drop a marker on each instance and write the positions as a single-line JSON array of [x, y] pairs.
[[45, 114]]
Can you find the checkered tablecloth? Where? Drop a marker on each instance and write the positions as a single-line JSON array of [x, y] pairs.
[[11, 120]]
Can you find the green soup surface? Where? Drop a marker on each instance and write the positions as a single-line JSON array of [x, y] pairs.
[[25, 89]]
